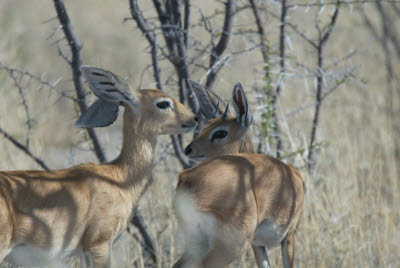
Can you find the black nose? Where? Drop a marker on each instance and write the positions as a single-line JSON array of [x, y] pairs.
[[196, 118], [188, 150]]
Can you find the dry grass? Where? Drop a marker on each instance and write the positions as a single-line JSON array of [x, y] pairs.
[[351, 216]]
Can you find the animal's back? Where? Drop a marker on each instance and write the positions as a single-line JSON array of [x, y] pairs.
[[46, 209]]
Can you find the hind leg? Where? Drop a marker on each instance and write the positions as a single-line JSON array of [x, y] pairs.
[[261, 257], [287, 249], [197, 245], [228, 245]]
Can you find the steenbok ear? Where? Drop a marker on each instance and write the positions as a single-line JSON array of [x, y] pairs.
[[211, 104], [108, 86], [112, 90], [100, 114], [243, 114]]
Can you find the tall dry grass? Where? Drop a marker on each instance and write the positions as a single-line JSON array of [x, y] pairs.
[[351, 215]]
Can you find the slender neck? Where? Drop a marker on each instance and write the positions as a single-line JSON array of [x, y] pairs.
[[246, 146], [136, 157]]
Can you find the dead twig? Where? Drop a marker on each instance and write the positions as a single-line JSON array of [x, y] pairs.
[[75, 64], [323, 38], [222, 44]]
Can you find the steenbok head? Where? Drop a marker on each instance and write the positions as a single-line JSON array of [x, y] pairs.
[[147, 110], [225, 133]]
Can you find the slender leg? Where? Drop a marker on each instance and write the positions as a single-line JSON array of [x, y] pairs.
[[88, 260], [261, 257], [85, 260], [287, 249]]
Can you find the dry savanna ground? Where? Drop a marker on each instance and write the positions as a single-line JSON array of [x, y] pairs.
[[351, 216]]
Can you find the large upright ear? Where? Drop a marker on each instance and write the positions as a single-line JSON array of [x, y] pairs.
[[100, 114], [211, 104], [243, 114], [108, 86]]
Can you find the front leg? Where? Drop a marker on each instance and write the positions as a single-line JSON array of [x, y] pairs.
[[261, 257], [85, 260], [287, 249]]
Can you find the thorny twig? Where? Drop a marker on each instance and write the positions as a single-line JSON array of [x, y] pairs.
[[17, 82], [223, 41], [265, 54], [281, 77], [323, 38], [334, 3], [39, 79], [24, 148]]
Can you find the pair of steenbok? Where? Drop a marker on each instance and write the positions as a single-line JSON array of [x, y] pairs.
[[234, 197], [223, 204]]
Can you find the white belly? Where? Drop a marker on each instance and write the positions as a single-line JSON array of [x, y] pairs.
[[269, 234], [28, 255]]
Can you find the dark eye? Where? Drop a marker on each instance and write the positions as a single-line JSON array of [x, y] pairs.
[[163, 104], [220, 134]]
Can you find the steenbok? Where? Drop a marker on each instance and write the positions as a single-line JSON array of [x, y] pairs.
[[234, 198], [46, 216]]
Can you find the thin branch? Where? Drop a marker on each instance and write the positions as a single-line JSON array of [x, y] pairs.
[[186, 25], [263, 38], [334, 3], [75, 64], [224, 60], [141, 22], [166, 18], [24, 148], [386, 35], [266, 62], [38, 79], [328, 32], [24, 104], [223, 41], [389, 27], [323, 38], [281, 77], [338, 84], [137, 220], [208, 27]]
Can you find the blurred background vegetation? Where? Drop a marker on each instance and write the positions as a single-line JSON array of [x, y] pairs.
[[351, 216]]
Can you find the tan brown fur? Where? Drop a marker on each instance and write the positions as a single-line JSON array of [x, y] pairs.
[[244, 192], [239, 140], [87, 206], [241, 191]]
